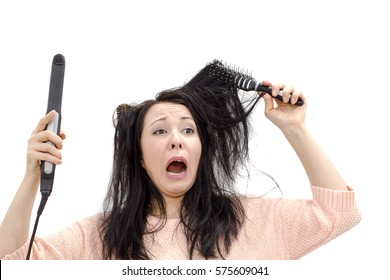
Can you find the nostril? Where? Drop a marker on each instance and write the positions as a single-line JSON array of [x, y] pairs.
[[174, 146]]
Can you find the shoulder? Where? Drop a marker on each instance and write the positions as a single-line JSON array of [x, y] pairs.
[[260, 205], [86, 226]]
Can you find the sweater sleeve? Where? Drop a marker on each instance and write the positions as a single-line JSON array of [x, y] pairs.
[[312, 223], [76, 242]]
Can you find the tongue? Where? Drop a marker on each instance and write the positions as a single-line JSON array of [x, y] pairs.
[[176, 167]]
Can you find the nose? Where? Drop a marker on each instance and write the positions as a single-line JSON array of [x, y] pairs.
[[176, 141]]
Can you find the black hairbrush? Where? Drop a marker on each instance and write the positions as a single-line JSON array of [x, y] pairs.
[[234, 77]]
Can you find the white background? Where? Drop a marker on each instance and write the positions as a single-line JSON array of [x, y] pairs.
[[336, 52]]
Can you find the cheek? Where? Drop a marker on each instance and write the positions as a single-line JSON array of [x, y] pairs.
[[150, 153], [197, 152]]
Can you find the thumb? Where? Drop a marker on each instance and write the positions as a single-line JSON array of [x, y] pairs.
[[269, 103]]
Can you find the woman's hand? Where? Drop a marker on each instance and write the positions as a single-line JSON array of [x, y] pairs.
[[39, 149], [290, 119], [284, 115]]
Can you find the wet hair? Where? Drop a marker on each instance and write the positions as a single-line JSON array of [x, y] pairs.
[[212, 213]]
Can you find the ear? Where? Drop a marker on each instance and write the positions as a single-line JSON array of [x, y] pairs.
[[142, 163]]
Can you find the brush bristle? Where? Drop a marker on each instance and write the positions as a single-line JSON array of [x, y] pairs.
[[232, 69], [219, 74], [232, 75]]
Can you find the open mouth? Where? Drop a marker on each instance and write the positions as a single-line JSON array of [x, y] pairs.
[[176, 167]]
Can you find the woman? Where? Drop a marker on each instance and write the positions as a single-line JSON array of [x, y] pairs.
[[172, 192]]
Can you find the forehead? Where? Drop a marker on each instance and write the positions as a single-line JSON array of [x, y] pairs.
[[166, 110]]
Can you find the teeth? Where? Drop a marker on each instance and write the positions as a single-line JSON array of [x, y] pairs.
[[175, 173]]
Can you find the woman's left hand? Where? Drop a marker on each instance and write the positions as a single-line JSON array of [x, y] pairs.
[[284, 115]]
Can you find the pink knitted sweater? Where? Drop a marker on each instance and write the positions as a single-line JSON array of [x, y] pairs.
[[275, 228]]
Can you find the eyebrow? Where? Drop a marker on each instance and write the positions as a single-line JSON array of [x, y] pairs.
[[164, 119]]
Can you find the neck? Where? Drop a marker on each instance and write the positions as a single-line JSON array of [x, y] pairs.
[[172, 208]]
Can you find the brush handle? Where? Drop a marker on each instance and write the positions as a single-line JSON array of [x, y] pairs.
[[247, 84], [260, 87]]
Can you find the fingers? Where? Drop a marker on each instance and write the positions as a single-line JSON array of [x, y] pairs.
[[42, 135], [46, 136], [62, 135], [296, 95], [45, 145], [44, 152], [44, 121], [286, 94]]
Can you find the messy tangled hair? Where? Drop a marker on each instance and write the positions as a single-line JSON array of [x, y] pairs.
[[211, 213]]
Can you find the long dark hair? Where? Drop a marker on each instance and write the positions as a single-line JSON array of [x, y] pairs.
[[212, 213]]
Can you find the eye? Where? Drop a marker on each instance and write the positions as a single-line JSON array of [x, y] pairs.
[[159, 131], [188, 130]]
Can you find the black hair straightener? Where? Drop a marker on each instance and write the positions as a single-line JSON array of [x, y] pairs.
[[54, 103]]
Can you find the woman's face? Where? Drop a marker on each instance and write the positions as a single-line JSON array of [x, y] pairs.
[[171, 148]]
